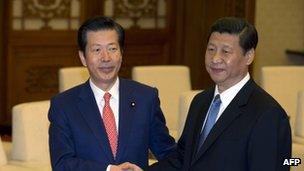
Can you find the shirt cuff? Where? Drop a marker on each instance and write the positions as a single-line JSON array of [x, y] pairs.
[[108, 168]]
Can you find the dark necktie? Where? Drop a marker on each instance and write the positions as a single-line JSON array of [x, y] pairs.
[[211, 118]]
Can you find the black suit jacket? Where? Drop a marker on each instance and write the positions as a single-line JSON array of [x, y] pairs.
[[252, 134]]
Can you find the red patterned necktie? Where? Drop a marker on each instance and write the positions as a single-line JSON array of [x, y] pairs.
[[109, 123]]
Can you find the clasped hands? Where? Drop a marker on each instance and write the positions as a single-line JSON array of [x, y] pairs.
[[127, 166]]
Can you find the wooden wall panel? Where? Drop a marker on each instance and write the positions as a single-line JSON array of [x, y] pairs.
[[146, 54], [147, 47], [32, 58], [33, 70], [3, 76], [193, 39], [2, 62]]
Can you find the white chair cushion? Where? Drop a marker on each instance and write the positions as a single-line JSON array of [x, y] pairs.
[[170, 82], [30, 165], [7, 146], [298, 152], [3, 159], [299, 120], [30, 132], [19, 168], [71, 76], [185, 100], [283, 83]]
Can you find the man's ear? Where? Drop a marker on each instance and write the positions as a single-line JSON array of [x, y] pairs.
[[82, 58], [250, 56]]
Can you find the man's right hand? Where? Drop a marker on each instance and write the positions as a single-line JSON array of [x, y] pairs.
[[125, 167], [130, 167], [115, 168]]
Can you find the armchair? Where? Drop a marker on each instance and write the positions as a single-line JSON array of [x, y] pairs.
[[30, 135], [284, 83], [72, 76], [170, 82]]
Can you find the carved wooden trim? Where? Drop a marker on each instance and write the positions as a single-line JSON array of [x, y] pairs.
[[40, 79], [44, 14], [138, 14], [135, 9]]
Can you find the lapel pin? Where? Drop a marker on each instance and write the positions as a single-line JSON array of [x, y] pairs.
[[132, 104]]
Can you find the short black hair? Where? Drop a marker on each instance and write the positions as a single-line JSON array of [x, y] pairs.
[[247, 32], [96, 24]]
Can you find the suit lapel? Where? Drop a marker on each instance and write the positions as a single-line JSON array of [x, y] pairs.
[[232, 111], [90, 113], [126, 115]]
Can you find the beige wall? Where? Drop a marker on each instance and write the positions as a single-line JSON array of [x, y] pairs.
[[280, 24]]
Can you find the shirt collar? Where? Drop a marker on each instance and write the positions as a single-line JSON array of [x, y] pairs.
[[228, 95], [99, 93]]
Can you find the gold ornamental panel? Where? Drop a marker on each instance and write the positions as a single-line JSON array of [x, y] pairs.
[[45, 14], [140, 14]]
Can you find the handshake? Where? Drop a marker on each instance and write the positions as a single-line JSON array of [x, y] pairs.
[[125, 167]]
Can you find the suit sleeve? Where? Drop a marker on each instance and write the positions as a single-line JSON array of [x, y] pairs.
[[175, 161], [160, 142], [270, 142], [62, 149]]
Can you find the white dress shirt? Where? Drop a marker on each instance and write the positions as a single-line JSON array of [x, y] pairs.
[[114, 102], [227, 96]]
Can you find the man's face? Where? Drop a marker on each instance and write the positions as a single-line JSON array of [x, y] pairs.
[[225, 60], [102, 57]]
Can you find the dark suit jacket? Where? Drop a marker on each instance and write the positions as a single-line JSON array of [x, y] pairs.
[[77, 137], [252, 134]]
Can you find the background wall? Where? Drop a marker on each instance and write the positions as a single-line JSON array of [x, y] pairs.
[[1, 29], [280, 24], [1, 58]]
